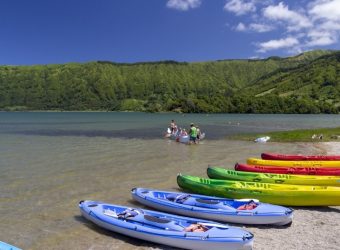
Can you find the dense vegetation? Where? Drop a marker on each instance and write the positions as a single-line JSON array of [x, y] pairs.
[[307, 83]]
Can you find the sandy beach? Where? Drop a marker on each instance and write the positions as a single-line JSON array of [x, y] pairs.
[[329, 148], [44, 178], [312, 227]]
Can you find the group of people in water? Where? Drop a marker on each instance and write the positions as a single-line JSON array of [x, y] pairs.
[[194, 132]]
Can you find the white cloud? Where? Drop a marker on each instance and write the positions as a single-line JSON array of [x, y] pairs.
[[326, 17], [320, 41], [325, 9], [321, 38], [288, 42], [329, 25], [281, 12], [254, 27], [183, 5], [255, 58], [314, 23], [261, 28], [240, 7], [241, 27]]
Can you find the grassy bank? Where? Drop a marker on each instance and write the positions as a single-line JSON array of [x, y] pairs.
[[301, 135]]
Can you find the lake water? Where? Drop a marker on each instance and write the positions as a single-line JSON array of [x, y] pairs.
[[50, 161]]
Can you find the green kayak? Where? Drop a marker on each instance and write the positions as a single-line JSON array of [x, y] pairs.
[[226, 174], [280, 194]]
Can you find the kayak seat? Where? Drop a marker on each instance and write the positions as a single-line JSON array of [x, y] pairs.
[[206, 203], [138, 217], [186, 199], [129, 212], [156, 219], [157, 222], [179, 198], [211, 202]]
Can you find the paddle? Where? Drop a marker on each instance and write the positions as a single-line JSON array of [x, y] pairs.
[[209, 224]]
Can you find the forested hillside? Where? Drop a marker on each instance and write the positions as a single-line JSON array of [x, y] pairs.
[[315, 82], [307, 83]]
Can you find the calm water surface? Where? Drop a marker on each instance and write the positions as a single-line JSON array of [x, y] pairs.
[[51, 161]]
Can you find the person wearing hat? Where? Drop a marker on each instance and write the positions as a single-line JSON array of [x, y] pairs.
[[193, 133]]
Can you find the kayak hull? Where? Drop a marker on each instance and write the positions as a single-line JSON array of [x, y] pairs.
[[280, 194], [214, 208], [325, 164], [284, 157], [6, 246], [184, 139], [288, 170], [227, 174], [217, 237]]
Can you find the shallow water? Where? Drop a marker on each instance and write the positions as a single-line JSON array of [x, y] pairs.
[[150, 126], [45, 175]]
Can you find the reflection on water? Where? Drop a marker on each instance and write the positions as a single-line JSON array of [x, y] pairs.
[[45, 172]]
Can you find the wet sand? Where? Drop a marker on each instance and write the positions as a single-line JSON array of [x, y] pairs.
[[39, 201]]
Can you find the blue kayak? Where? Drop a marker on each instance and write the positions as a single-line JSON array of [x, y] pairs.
[[6, 246], [167, 229], [245, 211]]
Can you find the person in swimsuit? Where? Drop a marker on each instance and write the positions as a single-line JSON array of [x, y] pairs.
[[196, 228], [172, 126]]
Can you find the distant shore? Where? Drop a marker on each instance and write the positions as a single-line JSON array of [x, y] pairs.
[[300, 135]]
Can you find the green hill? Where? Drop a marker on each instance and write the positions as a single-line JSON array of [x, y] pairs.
[[272, 85], [318, 81]]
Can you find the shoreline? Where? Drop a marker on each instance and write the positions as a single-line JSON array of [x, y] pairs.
[[158, 112]]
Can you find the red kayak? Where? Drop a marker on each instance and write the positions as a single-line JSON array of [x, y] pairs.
[[270, 156], [288, 170]]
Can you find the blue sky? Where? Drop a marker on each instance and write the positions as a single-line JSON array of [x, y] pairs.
[[44, 32]]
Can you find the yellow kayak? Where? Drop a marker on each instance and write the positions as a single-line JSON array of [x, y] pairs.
[[280, 194], [316, 180], [324, 164]]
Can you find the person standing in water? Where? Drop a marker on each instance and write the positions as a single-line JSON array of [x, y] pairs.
[[199, 133], [172, 126], [193, 133]]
